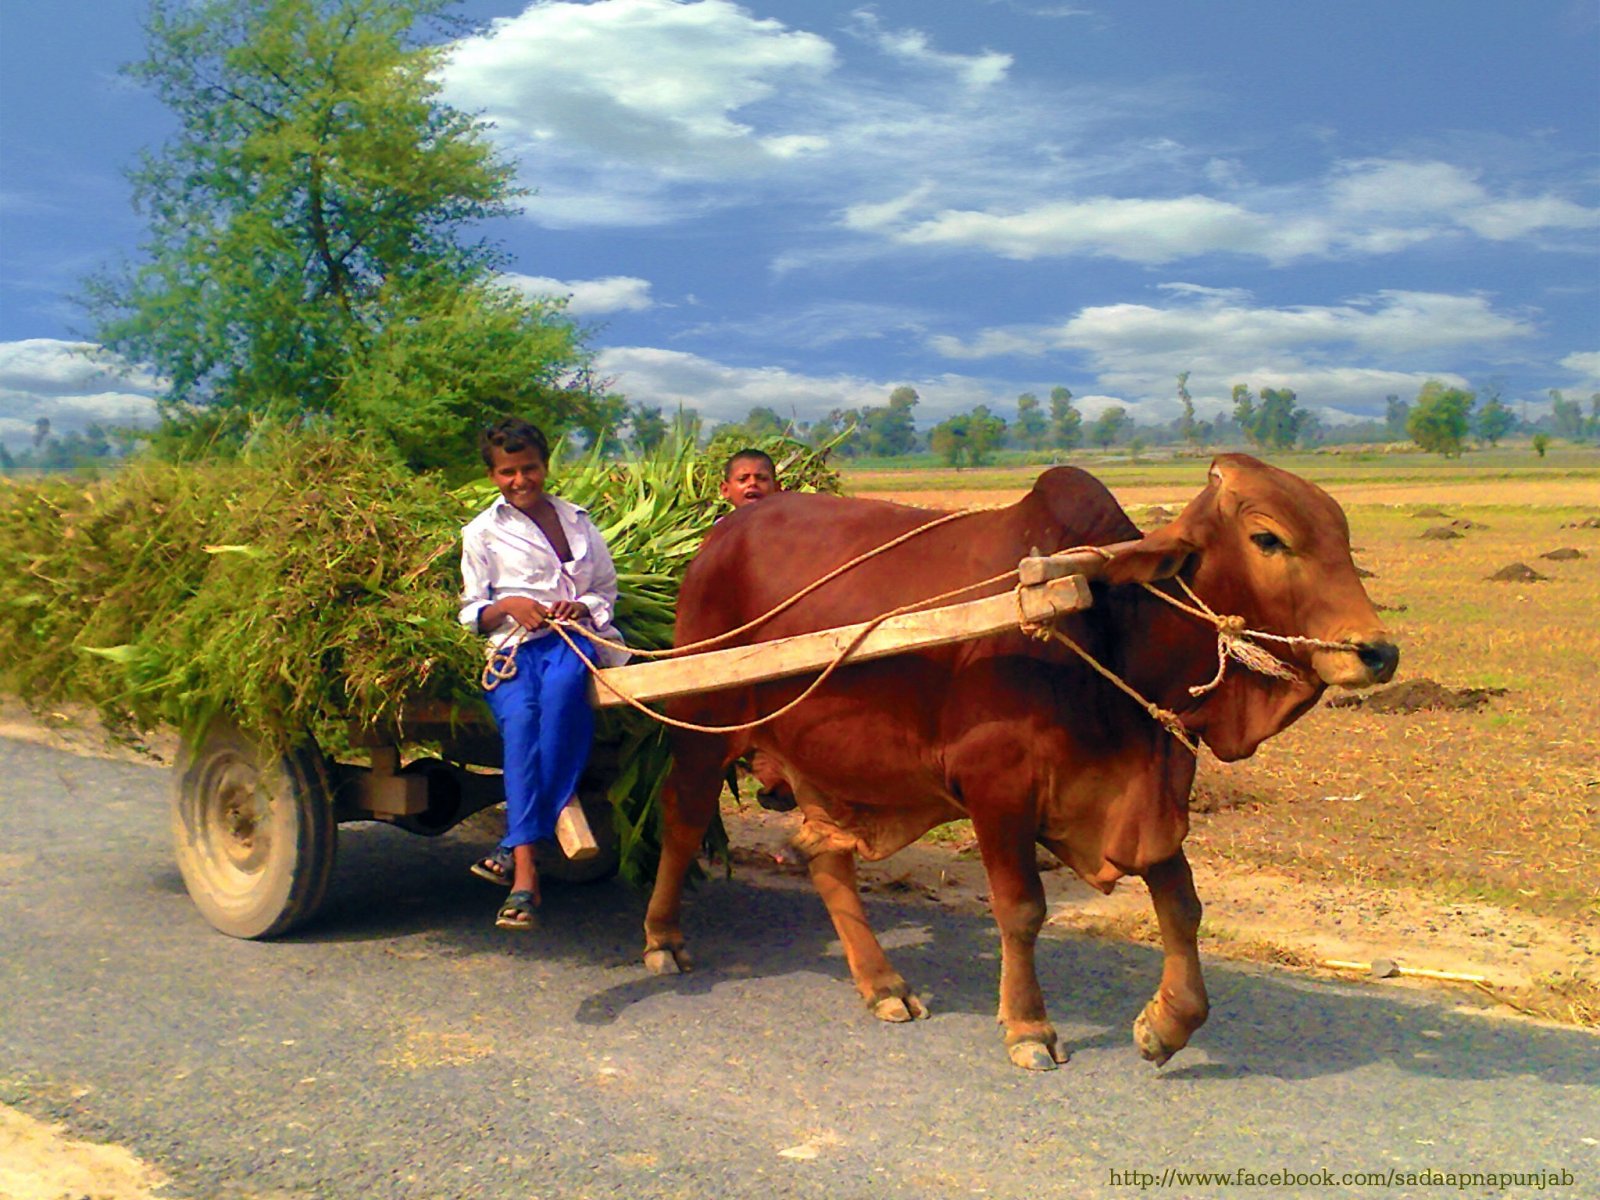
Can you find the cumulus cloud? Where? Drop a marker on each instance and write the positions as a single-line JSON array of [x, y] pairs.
[[587, 297], [639, 81], [1343, 356], [71, 384], [1363, 208]]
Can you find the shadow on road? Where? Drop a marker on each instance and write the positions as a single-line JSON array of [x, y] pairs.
[[754, 926]]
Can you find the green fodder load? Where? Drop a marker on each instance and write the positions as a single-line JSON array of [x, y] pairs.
[[314, 586]]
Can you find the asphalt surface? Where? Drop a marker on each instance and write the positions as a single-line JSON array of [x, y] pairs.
[[403, 1047]]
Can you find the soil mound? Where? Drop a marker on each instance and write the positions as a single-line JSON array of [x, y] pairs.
[[1155, 516], [1467, 523], [1586, 523], [1433, 513], [1419, 695], [1517, 573], [1441, 533], [1565, 554]]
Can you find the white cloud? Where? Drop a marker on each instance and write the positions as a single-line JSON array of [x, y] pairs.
[[1347, 355], [72, 384], [974, 71], [587, 297], [637, 81], [1586, 365], [1364, 208]]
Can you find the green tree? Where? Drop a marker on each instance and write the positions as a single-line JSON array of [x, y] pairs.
[[1441, 418], [1494, 420], [1187, 428], [1244, 412], [890, 430], [1031, 425], [305, 257], [948, 439], [1279, 419], [1541, 443], [1109, 426], [649, 429], [1565, 415], [985, 433], [1066, 422], [1395, 414]]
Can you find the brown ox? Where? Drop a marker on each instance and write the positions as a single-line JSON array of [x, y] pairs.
[[1017, 734]]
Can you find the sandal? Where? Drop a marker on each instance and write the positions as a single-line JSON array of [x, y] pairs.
[[496, 867], [516, 912]]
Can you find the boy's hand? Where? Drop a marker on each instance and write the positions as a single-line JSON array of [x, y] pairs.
[[524, 611], [568, 610]]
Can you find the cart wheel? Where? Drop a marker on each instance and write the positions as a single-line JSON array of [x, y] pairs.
[[255, 834], [553, 864]]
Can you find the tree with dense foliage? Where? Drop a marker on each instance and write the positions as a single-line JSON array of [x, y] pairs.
[[1031, 426], [305, 259], [890, 430], [1109, 426], [1244, 411], [968, 437], [1441, 419], [1066, 422], [649, 427], [1494, 420]]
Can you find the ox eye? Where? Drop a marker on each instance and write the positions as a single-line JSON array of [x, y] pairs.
[[1270, 543]]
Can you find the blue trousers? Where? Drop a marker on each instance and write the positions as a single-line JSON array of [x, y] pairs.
[[547, 727]]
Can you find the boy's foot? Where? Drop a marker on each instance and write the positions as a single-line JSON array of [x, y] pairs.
[[517, 911], [496, 867]]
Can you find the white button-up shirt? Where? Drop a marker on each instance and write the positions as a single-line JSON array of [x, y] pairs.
[[504, 553]]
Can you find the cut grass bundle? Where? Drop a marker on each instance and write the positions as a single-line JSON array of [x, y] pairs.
[[313, 587]]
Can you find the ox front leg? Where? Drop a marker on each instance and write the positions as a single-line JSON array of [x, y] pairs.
[[1179, 1006], [833, 873], [688, 802], [1017, 899]]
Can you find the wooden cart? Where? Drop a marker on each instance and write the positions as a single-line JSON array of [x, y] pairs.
[[256, 833]]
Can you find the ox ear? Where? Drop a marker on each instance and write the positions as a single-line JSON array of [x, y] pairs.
[[1160, 554]]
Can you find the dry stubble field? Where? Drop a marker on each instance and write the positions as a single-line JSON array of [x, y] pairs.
[[1430, 816]]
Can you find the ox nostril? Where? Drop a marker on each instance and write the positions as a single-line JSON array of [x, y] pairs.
[[1380, 658]]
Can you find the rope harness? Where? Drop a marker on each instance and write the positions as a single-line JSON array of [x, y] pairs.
[[1235, 641]]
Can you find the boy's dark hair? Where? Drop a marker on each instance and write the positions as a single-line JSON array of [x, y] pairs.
[[748, 452], [512, 435]]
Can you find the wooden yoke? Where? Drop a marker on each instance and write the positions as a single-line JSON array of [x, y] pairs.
[[1050, 586]]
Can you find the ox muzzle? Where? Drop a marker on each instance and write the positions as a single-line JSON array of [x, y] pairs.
[[1369, 660]]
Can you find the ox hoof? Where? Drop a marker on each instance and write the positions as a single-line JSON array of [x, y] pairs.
[[899, 1008], [666, 961], [1035, 1056], [1149, 1041]]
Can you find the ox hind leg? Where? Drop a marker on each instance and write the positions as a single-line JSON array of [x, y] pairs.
[[1179, 1006], [688, 803], [1017, 899], [833, 874]]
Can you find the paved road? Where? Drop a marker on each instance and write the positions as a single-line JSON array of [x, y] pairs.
[[405, 1048]]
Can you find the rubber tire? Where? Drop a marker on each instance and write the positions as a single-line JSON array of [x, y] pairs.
[[553, 864], [255, 835]]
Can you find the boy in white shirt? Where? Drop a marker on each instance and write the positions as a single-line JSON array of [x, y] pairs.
[[530, 556]]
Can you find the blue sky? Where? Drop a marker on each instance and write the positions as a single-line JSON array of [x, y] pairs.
[[806, 204]]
